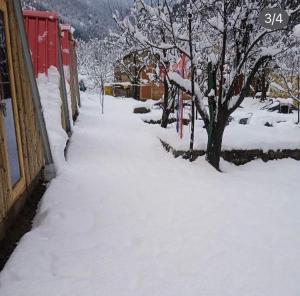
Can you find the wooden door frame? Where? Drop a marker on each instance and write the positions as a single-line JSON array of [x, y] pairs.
[[19, 188]]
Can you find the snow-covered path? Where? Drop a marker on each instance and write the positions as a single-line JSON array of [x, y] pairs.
[[124, 218]]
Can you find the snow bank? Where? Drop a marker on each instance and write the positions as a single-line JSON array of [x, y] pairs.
[[274, 85], [127, 219], [52, 104], [297, 31], [146, 104], [284, 134]]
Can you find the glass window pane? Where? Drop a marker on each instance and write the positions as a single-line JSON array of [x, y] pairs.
[[7, 107]]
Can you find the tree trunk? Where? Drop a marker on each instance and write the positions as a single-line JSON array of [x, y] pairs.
[[136, 89], [166, 110], [215, 138], [264, 86], [136, 79], [136, 93]]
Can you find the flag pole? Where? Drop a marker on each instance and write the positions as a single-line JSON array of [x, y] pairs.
[[102, 96], [192, 84]]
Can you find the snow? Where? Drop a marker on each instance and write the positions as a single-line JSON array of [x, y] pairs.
[[52, 104], [125, 218], [297, 31], [285, 101], [270, 50], [284, 134], [276, 86], [233, 102], [42, 37], [147, 104], [186, 84], [211, 93]]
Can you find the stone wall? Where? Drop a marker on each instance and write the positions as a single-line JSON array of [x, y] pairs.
[[239, 157]]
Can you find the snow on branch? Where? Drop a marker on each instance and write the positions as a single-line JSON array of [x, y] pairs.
[[186, 86]]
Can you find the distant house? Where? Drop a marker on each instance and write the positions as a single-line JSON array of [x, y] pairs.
[[272, 84], [284, 87], [136, 76]]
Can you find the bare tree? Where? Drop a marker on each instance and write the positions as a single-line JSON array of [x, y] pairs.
[[225, 45], [236, 48]]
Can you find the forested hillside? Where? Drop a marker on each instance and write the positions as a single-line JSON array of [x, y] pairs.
[[89, 18]]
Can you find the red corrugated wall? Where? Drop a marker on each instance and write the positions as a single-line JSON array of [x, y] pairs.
[[42, 29]]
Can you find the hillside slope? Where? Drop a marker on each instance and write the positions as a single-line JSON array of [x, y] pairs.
[[89, 18]]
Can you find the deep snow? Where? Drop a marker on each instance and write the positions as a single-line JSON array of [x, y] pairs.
[[284, 133], [51, 102], [124, 218]]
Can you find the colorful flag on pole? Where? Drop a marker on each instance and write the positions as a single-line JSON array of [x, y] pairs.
[[181, 70], [181, 66], [162, 72]]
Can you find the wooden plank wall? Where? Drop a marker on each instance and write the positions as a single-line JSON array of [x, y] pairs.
[[76, 75], [33, 153], [73, 82], [63, 114], [4, 188], [73, 95], [31, 138]]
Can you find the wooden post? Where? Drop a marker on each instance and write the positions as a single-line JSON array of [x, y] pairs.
[[298, 94], [193, 87], [298, 86]]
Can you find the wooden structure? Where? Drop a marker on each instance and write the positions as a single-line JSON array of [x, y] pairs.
[[108, 89], [135, 65], [150, 89], [153, 91], [70, 64], [43, 34], [21, 143], [121, 89]]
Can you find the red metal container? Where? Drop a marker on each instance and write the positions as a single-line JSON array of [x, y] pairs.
[[44, 40], [43, 33]]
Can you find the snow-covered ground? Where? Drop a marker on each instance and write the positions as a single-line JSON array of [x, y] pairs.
[[124, 218], [284, 133]]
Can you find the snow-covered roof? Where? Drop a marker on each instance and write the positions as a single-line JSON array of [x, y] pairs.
[[118, 83]]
